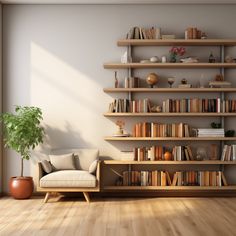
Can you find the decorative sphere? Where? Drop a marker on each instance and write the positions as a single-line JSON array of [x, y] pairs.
[[152, 79], [167, 156]]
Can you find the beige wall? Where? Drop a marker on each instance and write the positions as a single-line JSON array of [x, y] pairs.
[[54, 55]]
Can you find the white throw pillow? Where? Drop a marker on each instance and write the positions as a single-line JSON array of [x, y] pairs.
[[63, 162], [93, 167], [84, 158]]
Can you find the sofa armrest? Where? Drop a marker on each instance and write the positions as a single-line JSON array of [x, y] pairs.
[[98, 174], [39, 172]]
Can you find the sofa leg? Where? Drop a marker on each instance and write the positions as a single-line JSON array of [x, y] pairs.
[[86, 196], [46, 197]]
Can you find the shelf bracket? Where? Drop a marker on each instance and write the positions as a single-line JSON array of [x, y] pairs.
[[222, 94], [129, 51]]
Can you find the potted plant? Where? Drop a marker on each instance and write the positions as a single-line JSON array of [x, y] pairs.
[[22, 133]]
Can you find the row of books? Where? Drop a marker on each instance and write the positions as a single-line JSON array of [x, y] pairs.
[[179, 178], [144, 33], [210, 132], [229, 153], [174, 105], [132, 82], [146, 178], [192, 105], [146, 129], [199, 178], [156, 153], [125, 105]]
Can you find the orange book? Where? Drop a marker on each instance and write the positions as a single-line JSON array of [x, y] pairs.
[[160, 152], [206, 178], [134, 131], [224, 179], [156, 152], [174, 181], [144, 129], [163, 178], [154, 130], [168, 178]]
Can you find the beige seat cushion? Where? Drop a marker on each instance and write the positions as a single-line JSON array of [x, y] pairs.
[[83, 157], [68, 179]]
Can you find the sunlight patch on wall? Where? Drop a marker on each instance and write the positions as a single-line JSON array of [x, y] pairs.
[[66, 95]]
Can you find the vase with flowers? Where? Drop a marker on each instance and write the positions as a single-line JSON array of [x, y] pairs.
[[176, 51]]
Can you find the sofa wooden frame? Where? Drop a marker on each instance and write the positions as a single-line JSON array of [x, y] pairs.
[[85, 191]]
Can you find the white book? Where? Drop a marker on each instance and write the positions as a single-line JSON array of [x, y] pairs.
[[152, 129], [179, 153], [223, 106], [219, 178], [233, 152], [138, 154], [218, 105]]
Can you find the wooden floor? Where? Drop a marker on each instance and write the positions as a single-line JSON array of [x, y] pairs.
[[112, 217]]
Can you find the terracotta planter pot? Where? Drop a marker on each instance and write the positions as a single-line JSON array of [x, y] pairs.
[[21, 187]]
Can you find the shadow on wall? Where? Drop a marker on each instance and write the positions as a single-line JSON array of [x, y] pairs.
[[56, 138]]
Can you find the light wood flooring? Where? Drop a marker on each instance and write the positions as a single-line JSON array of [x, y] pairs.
[[124, 216]]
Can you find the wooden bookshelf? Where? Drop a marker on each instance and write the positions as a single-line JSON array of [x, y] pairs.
[[169, 90], [172, 114], [117, 65], [208, 162], [170, 188], [176, 42], [170, 139], [130, 67]]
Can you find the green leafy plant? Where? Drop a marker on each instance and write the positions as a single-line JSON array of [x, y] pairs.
[[22, 131]]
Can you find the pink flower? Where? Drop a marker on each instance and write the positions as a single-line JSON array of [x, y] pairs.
[[178, 51]]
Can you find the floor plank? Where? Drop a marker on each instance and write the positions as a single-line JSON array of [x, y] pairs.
[[124, 216]]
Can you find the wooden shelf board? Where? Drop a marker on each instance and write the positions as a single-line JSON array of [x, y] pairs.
[[171, 188], [177, 42], [165, 114], [170, 139], [117, 65], [120, 162], [171, 90]]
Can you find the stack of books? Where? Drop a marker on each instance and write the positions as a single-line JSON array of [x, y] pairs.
[[210, 132]]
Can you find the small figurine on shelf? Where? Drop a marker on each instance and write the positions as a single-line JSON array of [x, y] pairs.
[[184, 84], [116, 80], [201, 154], [120, 124], [170, 81], [212, 59], [204, 36], [229, 133], [156, 108], [120, 132]]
